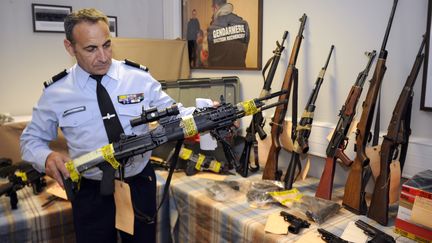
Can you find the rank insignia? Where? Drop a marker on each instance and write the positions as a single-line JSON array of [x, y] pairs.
[[130, 98]]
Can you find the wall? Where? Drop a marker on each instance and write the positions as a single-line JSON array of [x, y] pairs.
[[354, 27], [29, 58]]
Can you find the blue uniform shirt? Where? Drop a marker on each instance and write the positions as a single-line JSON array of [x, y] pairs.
[[71, 104]]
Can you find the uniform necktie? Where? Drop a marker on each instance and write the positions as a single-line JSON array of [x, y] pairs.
[[111, 121], [113, 129]]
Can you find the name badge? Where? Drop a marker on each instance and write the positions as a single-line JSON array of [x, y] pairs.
[[130, 98]]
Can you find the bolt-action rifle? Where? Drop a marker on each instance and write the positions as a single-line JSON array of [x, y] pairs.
[[205, 119], [339, 141], [397, 135], [303, 130], [20, 175], [258, 121], [354, 195], [271, 171]]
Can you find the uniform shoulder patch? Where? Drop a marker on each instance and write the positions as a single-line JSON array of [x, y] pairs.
[[55, 78], [136, 65]]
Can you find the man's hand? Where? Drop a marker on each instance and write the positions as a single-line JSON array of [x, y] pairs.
[[54, 165]]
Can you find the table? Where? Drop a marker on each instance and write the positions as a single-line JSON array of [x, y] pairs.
[[198, 218], [188, 215], [32, 223]]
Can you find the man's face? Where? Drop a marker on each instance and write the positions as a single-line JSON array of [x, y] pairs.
[[92, 47]]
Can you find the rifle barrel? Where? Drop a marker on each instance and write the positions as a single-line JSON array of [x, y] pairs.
[[389, 24]]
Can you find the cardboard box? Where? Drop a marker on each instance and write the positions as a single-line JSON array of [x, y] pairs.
[[415, 208]]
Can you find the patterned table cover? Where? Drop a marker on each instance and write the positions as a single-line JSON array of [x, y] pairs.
[[189, 214], [202, 219], [54, 223]]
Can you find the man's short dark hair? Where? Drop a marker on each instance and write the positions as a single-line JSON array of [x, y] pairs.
[[90, 15], [219, 2]]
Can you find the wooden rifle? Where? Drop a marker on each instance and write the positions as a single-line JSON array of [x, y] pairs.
[[397, 134], [271, 171], [339, 140], [258, 121], [354, 195], [303, 130]]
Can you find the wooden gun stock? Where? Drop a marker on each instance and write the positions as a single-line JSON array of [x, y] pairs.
[[378, 209], [325, 186], [354, 195], [271, 171]]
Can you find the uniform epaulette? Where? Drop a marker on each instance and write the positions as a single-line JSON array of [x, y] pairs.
[[136, 65], [55, 78]]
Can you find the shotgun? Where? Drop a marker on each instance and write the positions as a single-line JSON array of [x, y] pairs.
[[397, 134], [339, 140], [354, 195], [257, 123], [303, 130], [271, 171]]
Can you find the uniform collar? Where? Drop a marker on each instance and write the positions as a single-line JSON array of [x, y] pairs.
[[83, 77]]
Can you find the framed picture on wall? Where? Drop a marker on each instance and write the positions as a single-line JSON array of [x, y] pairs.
[[113, 25], [49, 18], [426, 96], [223, 34]]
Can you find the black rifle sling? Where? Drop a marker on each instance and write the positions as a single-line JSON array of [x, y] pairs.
[[266, 66], [377, 122], [294, 116], [151, 219], [406, 133]]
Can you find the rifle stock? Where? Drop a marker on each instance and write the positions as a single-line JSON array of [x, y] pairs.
[[339, 140], [271, 168], [325, 185], [354, 196], [271, 171], [396, 135]]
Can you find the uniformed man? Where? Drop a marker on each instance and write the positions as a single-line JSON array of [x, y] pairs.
[[228, 37], [71, 101]]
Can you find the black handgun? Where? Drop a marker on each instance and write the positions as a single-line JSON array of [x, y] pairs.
[[330, 237], [295, 223], [377, 235]]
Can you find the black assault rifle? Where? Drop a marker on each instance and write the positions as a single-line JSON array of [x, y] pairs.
[[207, 119], [258, 121]]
